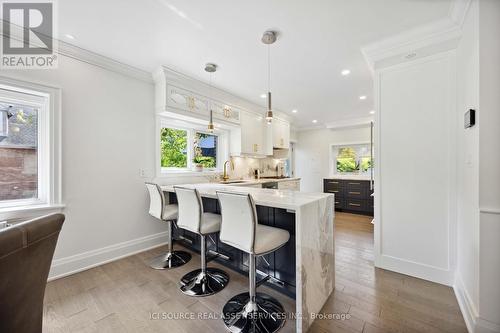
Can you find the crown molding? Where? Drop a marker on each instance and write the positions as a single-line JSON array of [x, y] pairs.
[[92, 58], [71, 51], [350, 123], [438, 36]]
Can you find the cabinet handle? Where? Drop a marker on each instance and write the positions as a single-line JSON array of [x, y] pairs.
[[337, 202], [355, 205], [333, 182], [333, 191], [358, 193], [190, 101], [354, 183]]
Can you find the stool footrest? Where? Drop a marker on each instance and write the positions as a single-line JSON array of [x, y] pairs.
[[182, 238], [268, 278], [211, 255]]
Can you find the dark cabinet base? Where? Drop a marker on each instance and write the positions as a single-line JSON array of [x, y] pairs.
[[279, 264], [351, 196]]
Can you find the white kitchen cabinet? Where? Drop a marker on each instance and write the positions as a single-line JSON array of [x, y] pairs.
[[280, 133], [250, 139]]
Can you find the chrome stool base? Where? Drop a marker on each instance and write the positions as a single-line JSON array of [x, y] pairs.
[[239, 316], [170, 260], [197, 284]]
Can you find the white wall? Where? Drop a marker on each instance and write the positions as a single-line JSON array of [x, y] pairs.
[[415, 177], [108, 128], [478, 218], [466, 280], [489, 166], [312, 153]]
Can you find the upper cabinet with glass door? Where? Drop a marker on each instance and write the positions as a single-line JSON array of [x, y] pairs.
[[198, 105]]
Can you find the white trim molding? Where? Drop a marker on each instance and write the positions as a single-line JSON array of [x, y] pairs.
[[439, 36], [80, 262], [350, 123]]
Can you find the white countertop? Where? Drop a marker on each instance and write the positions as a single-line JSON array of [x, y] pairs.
[[244, 182], [285, 199]]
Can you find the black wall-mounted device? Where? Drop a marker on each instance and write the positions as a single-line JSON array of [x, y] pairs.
[[470, 118]]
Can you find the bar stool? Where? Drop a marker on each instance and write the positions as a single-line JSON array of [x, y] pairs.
[[205, 281], [252, 311], [168, 214]]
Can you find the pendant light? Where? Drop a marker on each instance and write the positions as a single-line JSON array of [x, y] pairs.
[[268, 38], [210, 68]]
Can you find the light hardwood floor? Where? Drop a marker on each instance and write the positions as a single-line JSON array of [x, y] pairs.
[[120, 296]]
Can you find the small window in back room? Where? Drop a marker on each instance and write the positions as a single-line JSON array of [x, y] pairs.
[[353, 159]]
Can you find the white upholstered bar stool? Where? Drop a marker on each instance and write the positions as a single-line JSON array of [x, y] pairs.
[[167, 213], [252, 311], [206, 280]]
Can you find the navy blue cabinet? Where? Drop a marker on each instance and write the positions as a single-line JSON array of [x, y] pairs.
[[353, 196]]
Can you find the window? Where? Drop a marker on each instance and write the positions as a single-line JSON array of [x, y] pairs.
[[29, 146], [19, 153], [188, 147], [205, 150], [174, 144], [352, 158]]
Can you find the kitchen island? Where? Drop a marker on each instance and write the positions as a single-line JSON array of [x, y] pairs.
[[304, 268]]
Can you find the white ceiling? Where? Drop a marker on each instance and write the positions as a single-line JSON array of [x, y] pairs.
[[318, 38]]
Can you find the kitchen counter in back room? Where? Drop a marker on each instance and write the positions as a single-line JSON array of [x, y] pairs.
[[305, 266]]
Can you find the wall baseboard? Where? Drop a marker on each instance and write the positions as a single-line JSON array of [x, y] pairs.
[[466, 305], [73, 264], [475, 324], [426, 272]]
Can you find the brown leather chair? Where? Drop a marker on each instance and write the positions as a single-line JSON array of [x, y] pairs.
[[26, 251]]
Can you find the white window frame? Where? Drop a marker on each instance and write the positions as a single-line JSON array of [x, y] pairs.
[[191, 127], [47, 100], [334, 147]]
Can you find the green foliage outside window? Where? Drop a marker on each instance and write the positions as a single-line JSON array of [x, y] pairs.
[[173, 148], [348, 161]]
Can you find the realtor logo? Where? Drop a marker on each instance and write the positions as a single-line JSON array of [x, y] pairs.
[[28, 30]]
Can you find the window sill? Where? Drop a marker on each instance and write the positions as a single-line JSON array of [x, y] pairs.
[[28, 211]]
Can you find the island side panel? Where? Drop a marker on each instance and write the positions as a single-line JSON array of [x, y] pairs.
[[315, 262]]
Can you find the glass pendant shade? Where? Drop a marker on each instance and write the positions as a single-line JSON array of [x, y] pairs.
[[269, 113], [211, 123]]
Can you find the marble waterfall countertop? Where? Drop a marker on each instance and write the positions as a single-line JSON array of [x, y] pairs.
[[314, 241], [285, 199]]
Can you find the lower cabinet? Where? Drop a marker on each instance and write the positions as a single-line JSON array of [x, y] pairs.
[[352, 196]]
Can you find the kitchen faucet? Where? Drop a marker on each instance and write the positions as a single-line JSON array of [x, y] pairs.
[[225, 177]]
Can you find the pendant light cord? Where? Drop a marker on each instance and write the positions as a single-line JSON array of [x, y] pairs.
[[268, 67]]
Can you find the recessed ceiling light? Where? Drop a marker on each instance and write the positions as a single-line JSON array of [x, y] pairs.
[[372, 112], [315, 121], [68, 36], [345, 72], [362, 97], [263, 95], [294, 111]]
